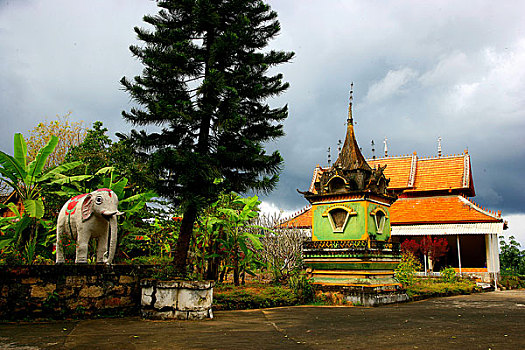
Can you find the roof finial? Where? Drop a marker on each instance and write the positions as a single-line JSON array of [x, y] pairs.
[[350, 120], [339, 143], [373, 150], [386, 147], [439, 146], [329, 157]]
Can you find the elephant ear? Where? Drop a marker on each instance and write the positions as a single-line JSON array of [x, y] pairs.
[[87, 207]]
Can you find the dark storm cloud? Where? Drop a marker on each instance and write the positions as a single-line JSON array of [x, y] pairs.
[[422, 70], [60, 56]]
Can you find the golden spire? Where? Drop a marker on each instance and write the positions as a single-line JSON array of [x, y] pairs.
[[350, 120], [350, 157]]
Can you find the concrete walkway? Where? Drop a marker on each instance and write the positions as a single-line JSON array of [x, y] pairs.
[[493, 320]]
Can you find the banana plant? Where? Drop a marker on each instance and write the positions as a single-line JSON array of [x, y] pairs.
[[235, 221], [28, 178], [106, 177]]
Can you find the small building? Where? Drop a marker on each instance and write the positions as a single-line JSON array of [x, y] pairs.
[[11, 198], [351, 251], [435, 199]]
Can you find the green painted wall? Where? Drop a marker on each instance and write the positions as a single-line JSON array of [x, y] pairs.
[[359, 226], [372, 229], [354, 229]]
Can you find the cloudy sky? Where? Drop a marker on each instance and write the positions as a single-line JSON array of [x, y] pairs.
[[422, 70]]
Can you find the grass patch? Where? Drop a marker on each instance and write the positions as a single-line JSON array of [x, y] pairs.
[[252, 296], [432, 287]]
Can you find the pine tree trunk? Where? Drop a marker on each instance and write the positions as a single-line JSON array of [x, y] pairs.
[[212, 273], [214, 263], [183, 243]]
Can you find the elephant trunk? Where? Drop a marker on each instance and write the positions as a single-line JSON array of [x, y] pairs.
[[113, 241]]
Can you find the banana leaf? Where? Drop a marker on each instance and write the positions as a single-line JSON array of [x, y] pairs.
[[57, 171], [11, 169], [37, 165], [70, 179], [20, 148], [21, 226], [34, 207], [118, 187], [105, 170], [6, 242], [255, 240]]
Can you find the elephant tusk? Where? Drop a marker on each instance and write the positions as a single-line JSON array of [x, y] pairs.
[[111, 213]]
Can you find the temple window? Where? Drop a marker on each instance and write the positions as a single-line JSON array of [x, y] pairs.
[[338, 217], [380, 218], [380, 221], [336, 185]]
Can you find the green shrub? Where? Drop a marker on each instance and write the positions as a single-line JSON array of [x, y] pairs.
[[406, 270], [302, 287], [254, 297], [431, 287], [512, 281], [448, 274], [149, 260]]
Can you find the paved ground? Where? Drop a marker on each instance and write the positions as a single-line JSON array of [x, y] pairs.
[[481, 321]]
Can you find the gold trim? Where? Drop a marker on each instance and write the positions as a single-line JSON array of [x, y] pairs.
[[349, 212], [357, 284], [349, 272]]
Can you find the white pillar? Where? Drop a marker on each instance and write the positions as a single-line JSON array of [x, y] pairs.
[[488, 253], [493, 246], [459, 254]]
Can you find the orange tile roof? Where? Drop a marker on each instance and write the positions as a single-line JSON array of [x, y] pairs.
[[413, 174], [397, 170], [440, 209], [301, 220], [439, 174], [421, 210]]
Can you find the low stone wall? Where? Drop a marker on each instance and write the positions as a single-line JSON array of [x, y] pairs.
[[59, 291], [367, 295]]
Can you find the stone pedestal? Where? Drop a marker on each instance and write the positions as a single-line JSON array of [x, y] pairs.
[[180, 300]]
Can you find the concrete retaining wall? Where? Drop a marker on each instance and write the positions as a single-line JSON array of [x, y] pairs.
[[182, 300]]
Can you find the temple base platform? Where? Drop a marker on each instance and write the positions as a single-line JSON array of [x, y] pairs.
[[363, 273], [366, 295]]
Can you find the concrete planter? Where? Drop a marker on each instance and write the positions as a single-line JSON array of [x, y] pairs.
[[179, 300]]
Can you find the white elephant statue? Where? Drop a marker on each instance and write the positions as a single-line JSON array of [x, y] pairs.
[[86, 216]]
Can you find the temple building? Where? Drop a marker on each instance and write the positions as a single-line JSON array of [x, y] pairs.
[[351, 250], [434, 199]]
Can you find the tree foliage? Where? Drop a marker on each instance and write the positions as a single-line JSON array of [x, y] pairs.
[[205, 83], [69, 134], [99, 151], [511, 257], [435, 248], [410, 246]]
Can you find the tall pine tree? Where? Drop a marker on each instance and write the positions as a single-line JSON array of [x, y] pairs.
[[205, 83]]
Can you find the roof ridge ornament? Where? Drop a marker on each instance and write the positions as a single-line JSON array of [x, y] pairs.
[[351, 157], [350, 119]]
